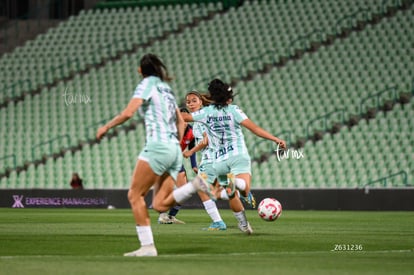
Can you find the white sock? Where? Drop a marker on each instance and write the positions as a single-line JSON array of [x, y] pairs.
[[145, 235], [184, 192], [240, 184], [224, 196], [212, 210], [241, 217]]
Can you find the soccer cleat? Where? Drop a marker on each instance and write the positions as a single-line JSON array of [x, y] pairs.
[[164, 219], [246, 229], [216, 226], [250, 200], [174, 220], [231, 185], [201, 185], [144, 251]]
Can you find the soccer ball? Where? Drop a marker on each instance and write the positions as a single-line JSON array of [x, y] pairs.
[[269, 209]]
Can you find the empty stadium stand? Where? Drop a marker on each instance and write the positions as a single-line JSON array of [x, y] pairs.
[[328, 76]]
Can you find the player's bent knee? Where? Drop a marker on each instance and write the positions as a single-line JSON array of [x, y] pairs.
[[160, 207]]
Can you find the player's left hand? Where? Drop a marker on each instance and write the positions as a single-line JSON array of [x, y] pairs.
[[281, 143], [101, 132]]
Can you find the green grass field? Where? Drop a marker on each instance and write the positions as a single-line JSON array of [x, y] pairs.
[[81, 241]]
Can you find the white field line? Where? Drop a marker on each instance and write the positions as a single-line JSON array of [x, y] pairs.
[[11, 257]]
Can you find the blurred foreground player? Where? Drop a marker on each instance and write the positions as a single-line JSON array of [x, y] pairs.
[[160, 160]]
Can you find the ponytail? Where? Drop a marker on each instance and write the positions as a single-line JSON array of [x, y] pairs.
[[151, 65]]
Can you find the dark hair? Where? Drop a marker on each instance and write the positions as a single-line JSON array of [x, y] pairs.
[[205, 99], [184, 110], [220, 93], [151, 65]]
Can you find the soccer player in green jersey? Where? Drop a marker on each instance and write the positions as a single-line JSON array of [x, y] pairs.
[[232, 164], [161, 159]]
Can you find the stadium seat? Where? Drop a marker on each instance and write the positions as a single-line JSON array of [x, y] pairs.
[[286, 98]]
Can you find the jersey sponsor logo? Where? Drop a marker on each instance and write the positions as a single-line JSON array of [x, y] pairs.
[[211, 119], [165, 90], [223, 151]]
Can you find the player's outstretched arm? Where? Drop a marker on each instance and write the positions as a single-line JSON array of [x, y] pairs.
[[126, 114], [203, 144], [180, 124], [187, 117], [260, 132]]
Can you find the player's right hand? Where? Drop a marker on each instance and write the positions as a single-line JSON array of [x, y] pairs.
[[187, 154]]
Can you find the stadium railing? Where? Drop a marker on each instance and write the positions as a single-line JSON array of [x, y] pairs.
[[50, 143], [377, 97], [384, 181], [109, 4]]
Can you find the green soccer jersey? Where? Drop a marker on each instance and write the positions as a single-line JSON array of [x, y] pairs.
[[223, 129], [206, 153], [159, 109]]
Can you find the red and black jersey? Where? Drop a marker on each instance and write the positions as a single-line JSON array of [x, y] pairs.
[[188, 138], [188, 141]]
